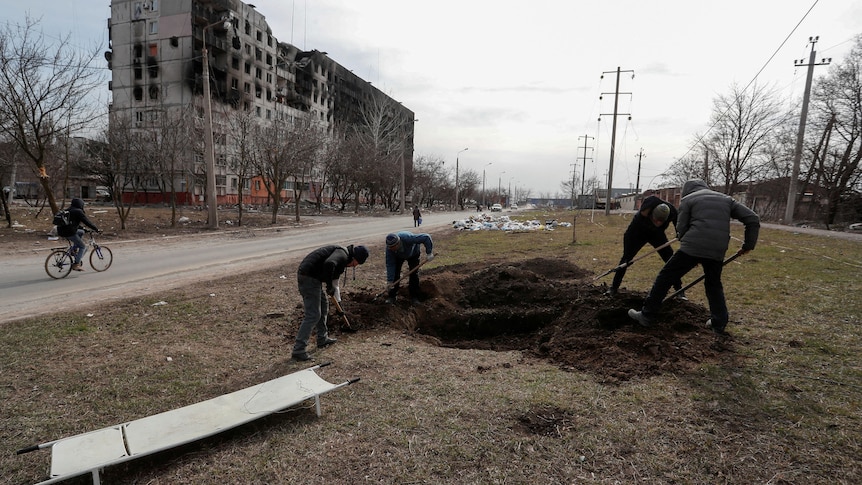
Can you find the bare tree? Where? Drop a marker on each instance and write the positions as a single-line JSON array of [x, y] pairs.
[[45, 92], [381, 137], [332, 155], [837, 108], [164, 145], [126, 165], [286, 152], [688, 167], [242, 161], [742, 123], [306, 142], [430, 180], [469, 182]]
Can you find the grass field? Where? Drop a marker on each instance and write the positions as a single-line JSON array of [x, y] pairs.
[[781, 407]]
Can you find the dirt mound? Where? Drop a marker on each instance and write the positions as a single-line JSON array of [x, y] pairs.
[[549, 309]]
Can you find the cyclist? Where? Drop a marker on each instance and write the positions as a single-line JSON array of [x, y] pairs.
[[73, 231]]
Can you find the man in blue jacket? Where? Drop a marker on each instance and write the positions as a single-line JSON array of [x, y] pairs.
[[323, 266], [405, 246], [647, 226], [703, 229]]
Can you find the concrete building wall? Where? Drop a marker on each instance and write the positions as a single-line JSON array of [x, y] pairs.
[[157, 69]]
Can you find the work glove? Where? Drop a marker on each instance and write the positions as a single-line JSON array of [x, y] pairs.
[[337, 294], [429, 257]]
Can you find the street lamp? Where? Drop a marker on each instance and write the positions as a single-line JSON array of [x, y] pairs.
[[209, 154], [509, 193], [403, 184], [483, 183], [457, 201], [499, 181]]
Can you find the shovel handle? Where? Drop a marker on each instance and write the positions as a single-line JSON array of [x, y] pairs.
[[642, 256], [699, 278], [392, 285], [340, 311]]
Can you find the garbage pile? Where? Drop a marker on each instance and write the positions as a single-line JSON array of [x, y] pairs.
[[484, 222]]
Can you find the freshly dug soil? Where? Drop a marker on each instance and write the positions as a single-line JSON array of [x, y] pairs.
[[549, 309]]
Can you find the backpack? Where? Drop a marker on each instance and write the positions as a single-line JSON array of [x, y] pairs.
[[62, 218]]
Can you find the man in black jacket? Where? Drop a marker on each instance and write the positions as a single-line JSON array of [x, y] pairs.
[[323, 266], [647, 226], [703, 228], [73, 231]]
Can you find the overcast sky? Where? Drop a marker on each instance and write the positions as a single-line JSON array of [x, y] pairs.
[[518, 83]]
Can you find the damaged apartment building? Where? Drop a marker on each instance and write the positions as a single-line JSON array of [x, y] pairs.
[[156, 65]]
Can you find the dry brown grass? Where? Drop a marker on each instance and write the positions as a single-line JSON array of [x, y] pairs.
[[786, 412]]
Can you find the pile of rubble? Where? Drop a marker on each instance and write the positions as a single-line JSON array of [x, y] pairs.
[[484, 222]]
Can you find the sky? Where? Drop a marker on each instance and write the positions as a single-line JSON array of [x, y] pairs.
[[528, 88]]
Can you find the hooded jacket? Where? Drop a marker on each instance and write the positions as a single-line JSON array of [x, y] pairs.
[[703, 224], [643, 224], [76, 218]]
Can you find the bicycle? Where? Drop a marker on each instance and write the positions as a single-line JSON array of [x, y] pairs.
[[59, 262]]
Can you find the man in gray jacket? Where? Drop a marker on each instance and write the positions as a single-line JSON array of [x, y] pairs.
[[703, 229]]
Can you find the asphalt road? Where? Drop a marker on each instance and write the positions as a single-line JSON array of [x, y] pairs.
[[145, 266]]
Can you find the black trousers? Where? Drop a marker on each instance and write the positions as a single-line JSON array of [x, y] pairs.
[[633, 241], [680, 264], [413, 279]]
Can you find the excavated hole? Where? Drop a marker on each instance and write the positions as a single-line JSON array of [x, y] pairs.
[[548, 309]]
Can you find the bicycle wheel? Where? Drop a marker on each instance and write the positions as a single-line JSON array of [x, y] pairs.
[[58, 264], [101, 258]]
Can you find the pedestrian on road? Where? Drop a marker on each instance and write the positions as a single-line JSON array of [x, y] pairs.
[[323, 266], [405, 246], [417, 216], [74, 233], [703, 229], [647, 226]]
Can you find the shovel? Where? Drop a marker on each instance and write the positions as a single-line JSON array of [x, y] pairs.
[[392, 285], [340, 311], [625, 265], [699, 278]]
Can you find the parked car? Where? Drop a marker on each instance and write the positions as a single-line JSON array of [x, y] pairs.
[[103, 194], [513, 207], [496, 208]]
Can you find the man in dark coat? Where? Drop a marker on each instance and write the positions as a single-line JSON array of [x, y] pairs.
[[323, 266], [647, 226], [417, 216], [73, 231], [703, 228]]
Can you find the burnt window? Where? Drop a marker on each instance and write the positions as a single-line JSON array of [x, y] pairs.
[[154, 92], [138, 93]]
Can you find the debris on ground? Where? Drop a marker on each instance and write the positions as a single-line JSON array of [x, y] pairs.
[[504, 223]]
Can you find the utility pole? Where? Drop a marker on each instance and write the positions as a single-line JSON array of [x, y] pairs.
[[706, 165], [616, 94], [800, 135], [638, 179], [584, 171], [457, 201]]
